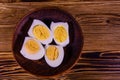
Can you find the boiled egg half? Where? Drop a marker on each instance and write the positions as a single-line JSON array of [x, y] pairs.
[[40, 31], [60, 33], [54, 55], [32, 49]]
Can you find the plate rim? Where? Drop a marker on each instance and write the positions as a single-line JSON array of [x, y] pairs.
[[16, 30]]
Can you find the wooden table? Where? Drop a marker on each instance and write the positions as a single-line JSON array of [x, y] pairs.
[[100, 22]]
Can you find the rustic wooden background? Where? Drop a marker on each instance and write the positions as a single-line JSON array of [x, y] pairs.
[[100, 22]]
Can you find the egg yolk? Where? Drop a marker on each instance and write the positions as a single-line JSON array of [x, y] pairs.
[[52, 53], [32, 46], [60, 34], [41, 32]]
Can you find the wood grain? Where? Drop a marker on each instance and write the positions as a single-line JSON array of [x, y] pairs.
[[86, 68], [13, 1], [7, 1], [100, 22]]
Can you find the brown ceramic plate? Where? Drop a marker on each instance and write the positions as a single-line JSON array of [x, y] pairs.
[[72, 50]]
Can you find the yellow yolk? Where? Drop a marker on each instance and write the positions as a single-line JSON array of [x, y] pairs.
[[52, 53], [41, 32], [60, 34], [32, 46]]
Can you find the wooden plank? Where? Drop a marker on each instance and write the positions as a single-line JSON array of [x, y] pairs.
[[6, 34], [100, 22], [13, 12], [60, 0], [7, 1], [11, 1], [86, 68]]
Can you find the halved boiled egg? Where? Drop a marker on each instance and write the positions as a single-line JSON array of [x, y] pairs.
[[54, 55], [40, 31], [32, 49], [60, 33]]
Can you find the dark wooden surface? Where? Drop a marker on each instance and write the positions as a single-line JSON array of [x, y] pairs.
[[100, 22]]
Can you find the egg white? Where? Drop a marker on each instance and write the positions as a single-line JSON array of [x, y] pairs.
[[58, 61], [39, 22], [34, 56], [54, 25]]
